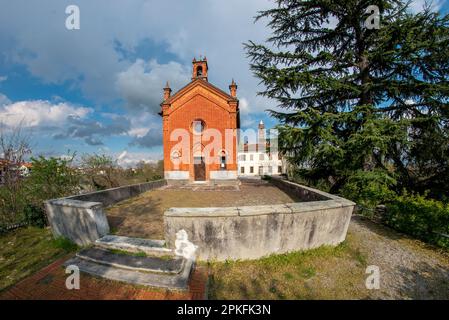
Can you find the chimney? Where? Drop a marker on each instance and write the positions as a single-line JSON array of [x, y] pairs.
[[167, 91], [233, 89]]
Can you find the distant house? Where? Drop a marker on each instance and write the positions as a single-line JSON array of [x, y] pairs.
[[23, 168], [257, 159]]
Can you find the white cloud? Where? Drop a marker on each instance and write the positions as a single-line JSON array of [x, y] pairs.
[[248, 122], [145, 129], [141, 85], [418, 5], [39, 113], [88, 59], [131, 159], [65, 156], [138, 132], [3, 78], [4, 100], [244, 105], [122, 155], [256, 105]]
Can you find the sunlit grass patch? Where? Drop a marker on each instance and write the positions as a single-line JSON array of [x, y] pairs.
[[27, 250], [323, 273]]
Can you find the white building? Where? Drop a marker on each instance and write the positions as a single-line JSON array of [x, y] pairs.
[[257, 160]]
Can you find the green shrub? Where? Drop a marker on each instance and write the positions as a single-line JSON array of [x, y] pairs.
[[35, 216], [12, 203], [302, 176], [51, 178], [423, 218], [369, 188]]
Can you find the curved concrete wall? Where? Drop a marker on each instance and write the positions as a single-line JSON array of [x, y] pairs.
[[81, 218], [110, 196], [251, 232]]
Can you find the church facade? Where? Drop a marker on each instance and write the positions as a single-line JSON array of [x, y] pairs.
[[200, 124]]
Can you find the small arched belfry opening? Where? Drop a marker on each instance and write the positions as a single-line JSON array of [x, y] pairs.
[[199, 71], [192, 113]]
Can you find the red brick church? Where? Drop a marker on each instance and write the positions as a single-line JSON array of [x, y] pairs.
[[199, 131]]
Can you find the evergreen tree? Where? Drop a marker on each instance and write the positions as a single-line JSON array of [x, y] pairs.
[[359, 105]]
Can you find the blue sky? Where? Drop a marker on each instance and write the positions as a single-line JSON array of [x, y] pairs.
[[98, 89]]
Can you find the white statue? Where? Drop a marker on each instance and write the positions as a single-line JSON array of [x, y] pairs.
[[184, 247]]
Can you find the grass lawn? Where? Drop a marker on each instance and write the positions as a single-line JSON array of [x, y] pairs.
[[409, 269], [323, 273], [27, 250]]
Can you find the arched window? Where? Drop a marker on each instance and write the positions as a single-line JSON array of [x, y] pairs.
[[223, 160], [199, 71]]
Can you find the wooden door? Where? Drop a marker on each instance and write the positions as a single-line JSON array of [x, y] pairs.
[[199, 169]]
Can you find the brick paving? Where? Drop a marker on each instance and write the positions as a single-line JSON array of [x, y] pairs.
[[49, 284]]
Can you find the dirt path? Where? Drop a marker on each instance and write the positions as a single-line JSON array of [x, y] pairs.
[[409, 269]]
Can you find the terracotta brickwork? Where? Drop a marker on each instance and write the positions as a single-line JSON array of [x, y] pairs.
[[49, 284], [200, 101]]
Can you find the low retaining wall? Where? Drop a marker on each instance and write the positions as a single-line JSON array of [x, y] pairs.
[[80, 221], [251, 232], [111, 196], [81, 218], [302, 192]]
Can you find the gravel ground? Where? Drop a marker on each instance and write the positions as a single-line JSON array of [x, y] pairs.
[[409, 269], [142, 216]]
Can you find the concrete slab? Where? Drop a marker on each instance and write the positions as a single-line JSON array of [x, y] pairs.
[[172, 265], [171, 281], [148, 246]]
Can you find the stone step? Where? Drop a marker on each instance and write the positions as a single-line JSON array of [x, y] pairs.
[[252, 181], [178, 281], [150, 247], [170, 264]]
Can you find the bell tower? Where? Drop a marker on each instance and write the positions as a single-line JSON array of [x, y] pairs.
[[261, 141], [199, 70]]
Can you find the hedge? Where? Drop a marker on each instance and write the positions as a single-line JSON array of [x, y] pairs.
[[423, 218]]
